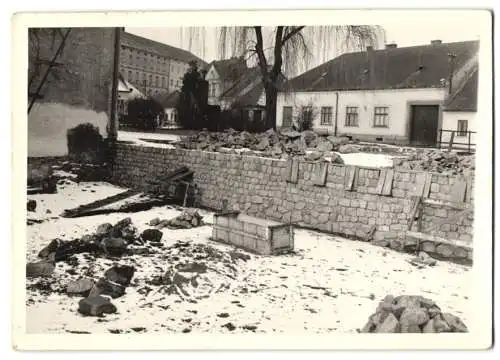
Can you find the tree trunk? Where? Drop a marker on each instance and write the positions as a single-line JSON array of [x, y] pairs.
[[271, 100]]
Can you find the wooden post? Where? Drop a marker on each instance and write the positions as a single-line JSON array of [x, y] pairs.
[[470, 132], [452, 139], [440, 137]]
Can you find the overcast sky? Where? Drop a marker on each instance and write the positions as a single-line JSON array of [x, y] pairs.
[[411, 32]]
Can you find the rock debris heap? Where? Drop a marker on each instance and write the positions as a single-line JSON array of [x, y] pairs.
[[438, 161], [268, 144], [411, 314], [293, 143]]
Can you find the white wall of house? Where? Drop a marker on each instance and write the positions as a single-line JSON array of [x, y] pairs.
[[213, 83], [397, 100], [451, 122], [170, 116]]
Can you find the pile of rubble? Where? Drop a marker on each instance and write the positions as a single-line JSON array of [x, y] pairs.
[[438, 161], [411, 314], [312, 146], [269, 143], [108, 240], [187, 220]]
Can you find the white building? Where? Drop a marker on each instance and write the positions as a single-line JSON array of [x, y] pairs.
[[391, 95]]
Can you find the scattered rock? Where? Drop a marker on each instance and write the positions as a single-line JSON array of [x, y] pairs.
[[423, 259], [239, 255], [229, 326], [105, 287], [114, 246], [223, 315], [154, 222], [324, 146], [40, 269], [389, 325], [348, 148], [313, 156], [454, 322], [31, 205], [120, 274], [81, 287], [96, 306], [51, 248], [104, 230], [154, 235]]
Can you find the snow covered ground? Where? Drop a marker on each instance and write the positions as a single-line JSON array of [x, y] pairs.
[[329, 284]]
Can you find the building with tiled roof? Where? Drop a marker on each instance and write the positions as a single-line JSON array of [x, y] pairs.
[[154, 67], [390, 95]]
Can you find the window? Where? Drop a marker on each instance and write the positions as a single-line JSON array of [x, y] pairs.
[[150, 79], [462, 127], [213, 89], [287, 116], [163, 82], [130, 58], [351, 116], [381, 116], [129, 77], [307, 114], [326, 115], [171, 82], [157, 81]]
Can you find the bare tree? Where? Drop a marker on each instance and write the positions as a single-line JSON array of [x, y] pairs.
[[285, 49]]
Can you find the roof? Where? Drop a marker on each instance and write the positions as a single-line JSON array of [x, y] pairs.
[[465, 98], [169, 100], [248, 88], [395, 68], [160, 48], [126, 90], [230, 69], [251, 98], [247, 78]]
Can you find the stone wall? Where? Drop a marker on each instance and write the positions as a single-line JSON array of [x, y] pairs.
[[316, 196]]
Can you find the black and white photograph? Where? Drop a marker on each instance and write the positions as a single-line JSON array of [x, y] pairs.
[[206, 178]]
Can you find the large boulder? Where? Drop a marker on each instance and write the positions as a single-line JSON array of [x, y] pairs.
[[120, 274], [114, 246], [104, 230], [40, 269], [51, 248], [105, 287], [154, 235], [96, 306], [80, 287], [31, 205], [309, 136]]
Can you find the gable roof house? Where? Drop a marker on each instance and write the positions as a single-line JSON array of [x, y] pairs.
[[392, 95]]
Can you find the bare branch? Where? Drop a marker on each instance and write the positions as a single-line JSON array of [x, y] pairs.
[[294, 31]]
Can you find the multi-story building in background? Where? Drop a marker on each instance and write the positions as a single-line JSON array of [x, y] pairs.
[[153, 67]]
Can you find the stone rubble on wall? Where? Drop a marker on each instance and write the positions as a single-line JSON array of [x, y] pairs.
[[292, 143]]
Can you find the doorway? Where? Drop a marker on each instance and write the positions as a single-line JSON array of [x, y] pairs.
[[424, 125]]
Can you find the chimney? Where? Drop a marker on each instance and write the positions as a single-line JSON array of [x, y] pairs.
[[391, 46], [436, 42]]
